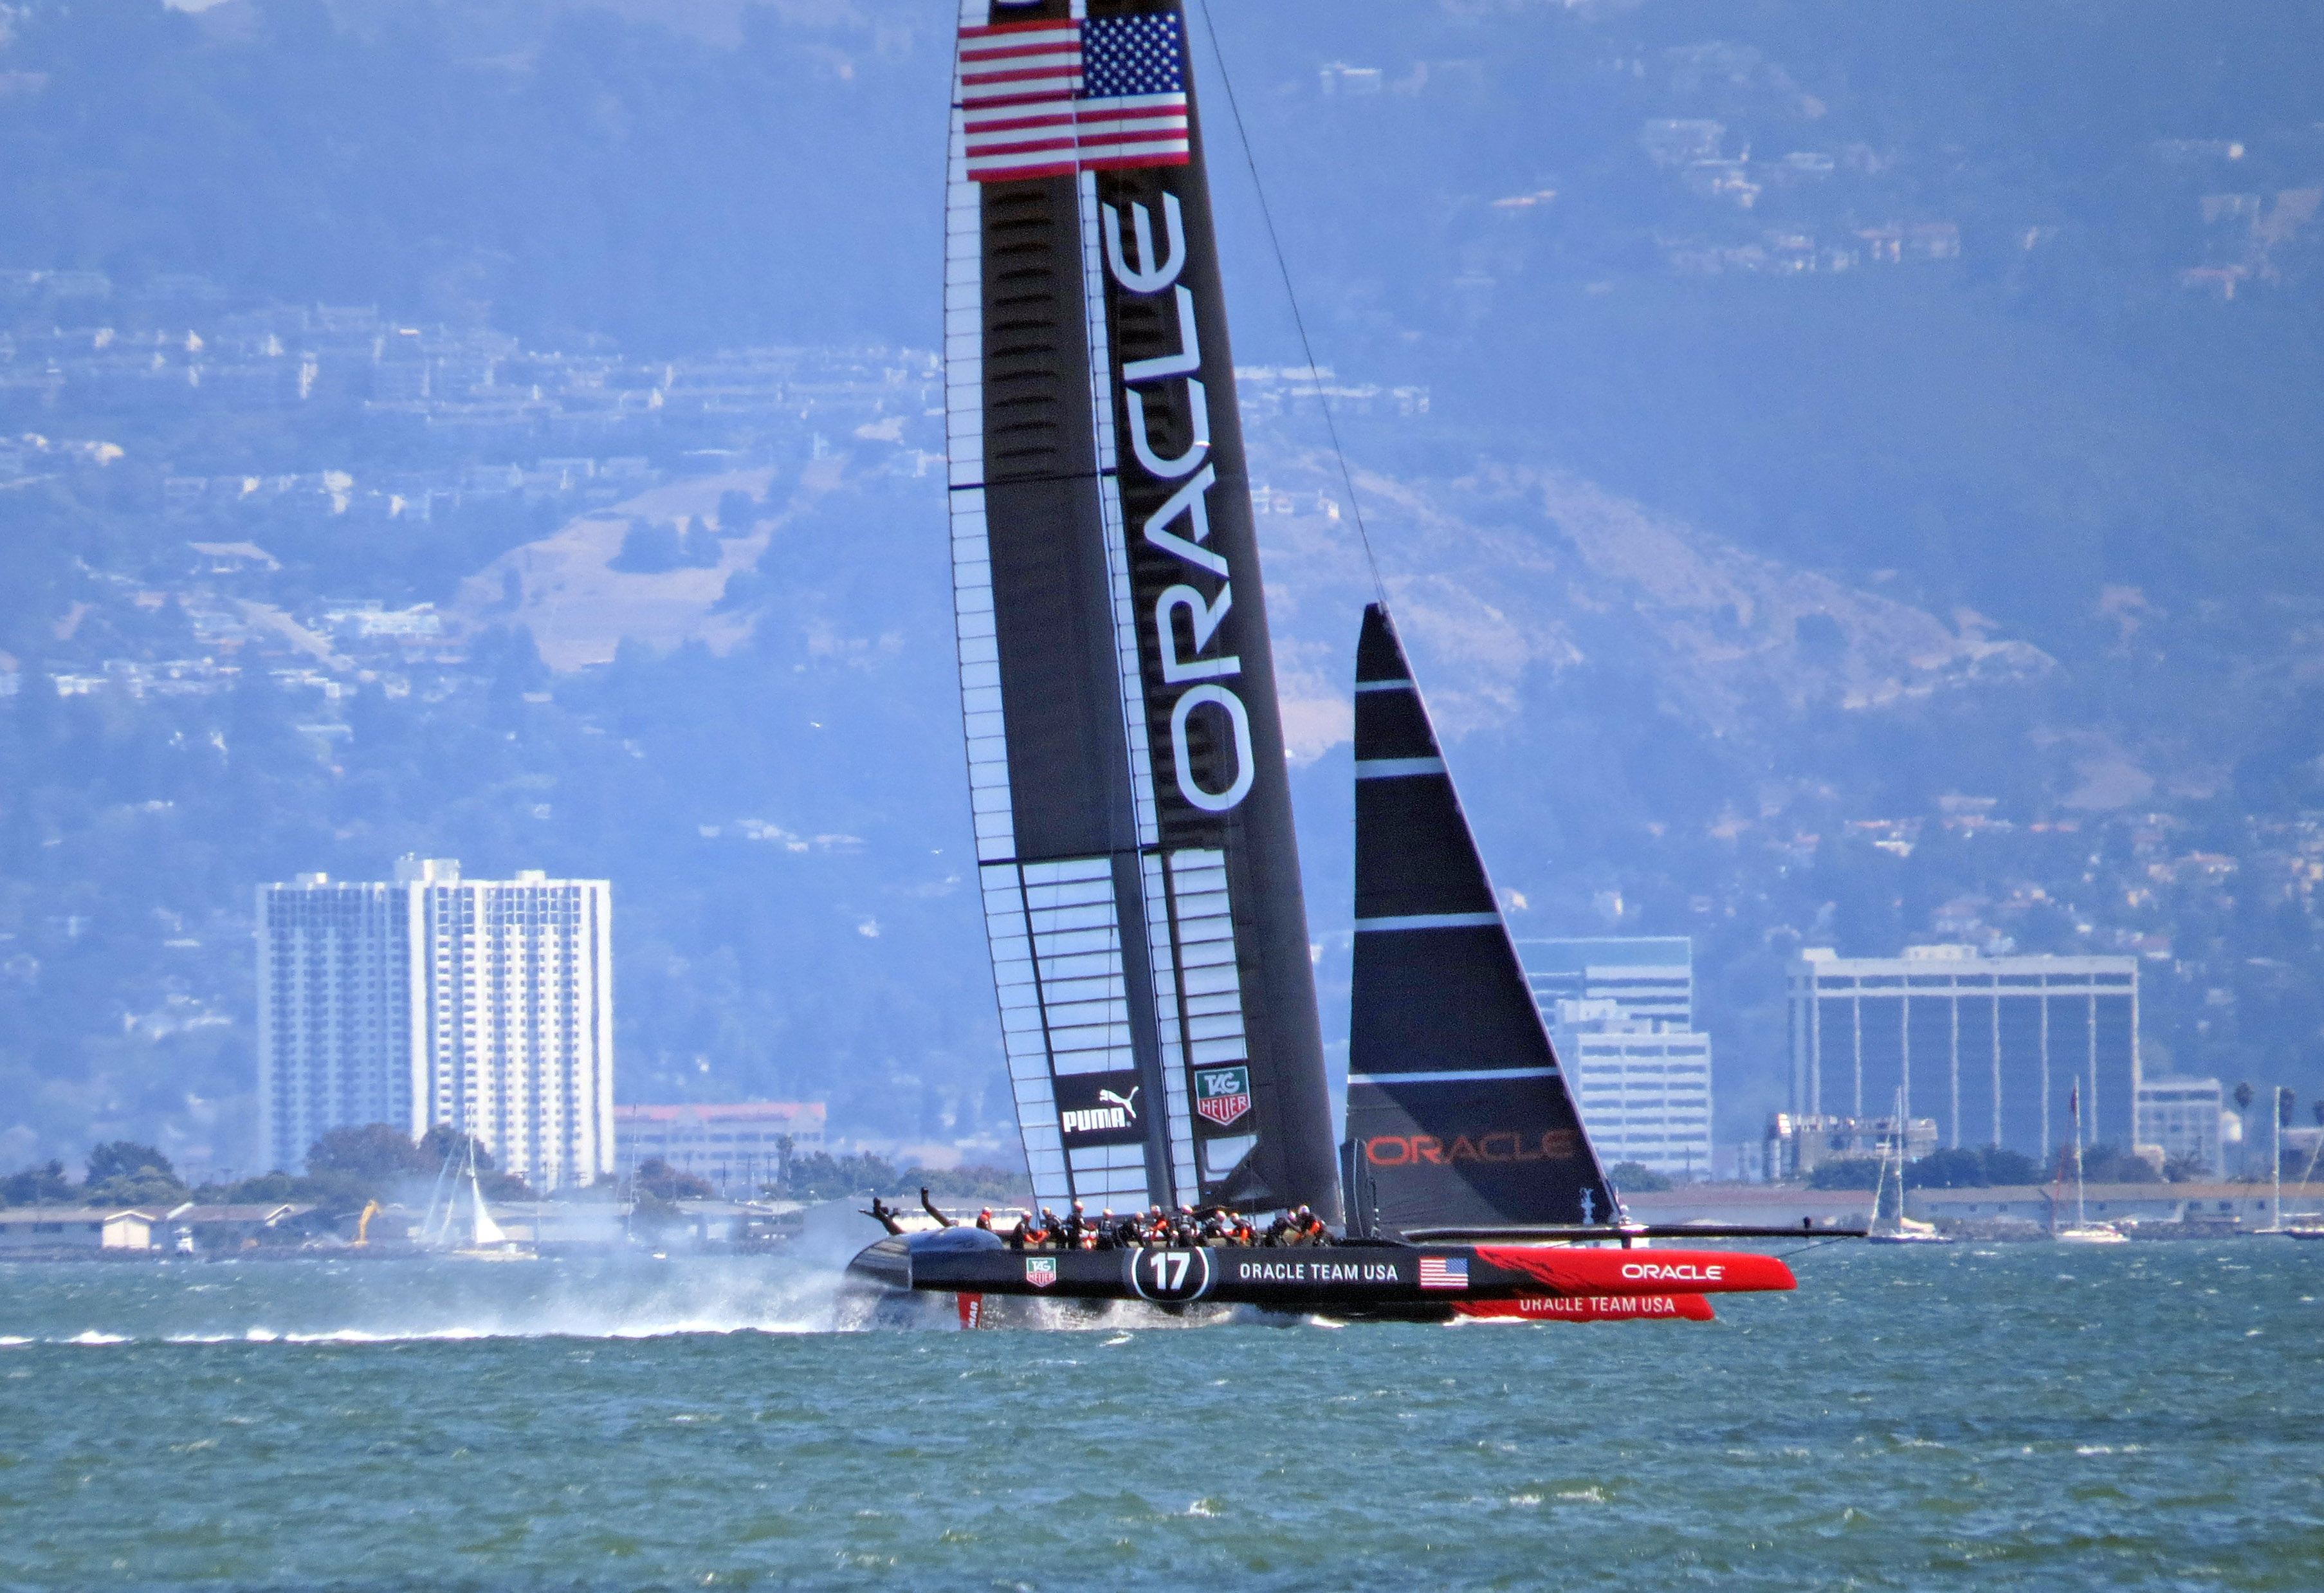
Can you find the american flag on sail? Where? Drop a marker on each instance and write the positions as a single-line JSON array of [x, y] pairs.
[[1444, 1272], [1049, 98]]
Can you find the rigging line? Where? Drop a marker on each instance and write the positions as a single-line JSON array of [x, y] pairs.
[[1275, 241], [1803, 1250]]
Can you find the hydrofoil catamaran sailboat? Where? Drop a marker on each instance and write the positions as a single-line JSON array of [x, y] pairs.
[[1135, 849]]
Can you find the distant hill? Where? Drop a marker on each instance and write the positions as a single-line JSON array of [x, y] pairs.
[[1854, 481]]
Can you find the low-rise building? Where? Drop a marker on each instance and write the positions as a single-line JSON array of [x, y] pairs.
[[51, 1227], [743, 1144], [2221, 1204], [1798, 1144]]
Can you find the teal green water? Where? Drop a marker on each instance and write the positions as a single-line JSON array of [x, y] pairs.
[[2150, 1416]]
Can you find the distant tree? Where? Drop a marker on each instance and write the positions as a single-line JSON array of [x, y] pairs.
[[738, 512], [2285, 1104], [698, 545], [334, 1193], [1820, 638], [2317, 1111], [123, 1158], [1635, 1178], [36, 1185], [122, 1172], [1854, 1173], [1000, 1185], [2008, 1167], [2113, 1165], [444, 1145], [2244, 1094], [651, 547], [2185, 1169], [826, 1177], [1950, 1169], [265, 1188], [506, 1186], [377, 1150], [658, 1179]]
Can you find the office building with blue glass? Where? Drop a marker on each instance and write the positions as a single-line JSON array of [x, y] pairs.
[[1996, 1049]]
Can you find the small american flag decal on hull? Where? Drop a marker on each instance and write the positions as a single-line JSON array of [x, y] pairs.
[[1444, 1272]]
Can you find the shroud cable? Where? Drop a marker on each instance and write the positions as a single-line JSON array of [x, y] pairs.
[[1267, 214]]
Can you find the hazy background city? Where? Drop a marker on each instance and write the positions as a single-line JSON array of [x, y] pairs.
[[1847, 474]]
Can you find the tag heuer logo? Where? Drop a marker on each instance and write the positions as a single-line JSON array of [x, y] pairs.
[[1221, 1095], [1041, 1271]]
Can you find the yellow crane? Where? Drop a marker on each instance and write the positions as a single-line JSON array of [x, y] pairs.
[[363, 1223]]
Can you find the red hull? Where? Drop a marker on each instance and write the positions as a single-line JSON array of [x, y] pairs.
[[1591, 1307], [1648, 1272]]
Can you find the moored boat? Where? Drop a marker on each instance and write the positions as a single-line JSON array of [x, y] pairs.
[[2081, 1230], [1894, 1228]]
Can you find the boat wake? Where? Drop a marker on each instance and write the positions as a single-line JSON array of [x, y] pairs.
[[446, 1302]]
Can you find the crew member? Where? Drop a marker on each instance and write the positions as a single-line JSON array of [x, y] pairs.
[[984, 1219]]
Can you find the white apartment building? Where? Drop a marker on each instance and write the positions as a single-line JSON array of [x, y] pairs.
[[1649, 979], [2181, 1118], [485, 1005], [1620, 1011], [1643, 1089]]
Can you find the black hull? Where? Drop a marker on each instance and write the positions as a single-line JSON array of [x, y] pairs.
[[1362, 1279]]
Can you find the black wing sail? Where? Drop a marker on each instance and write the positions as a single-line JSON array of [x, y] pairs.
[[1133, 817], [1458, 1113]]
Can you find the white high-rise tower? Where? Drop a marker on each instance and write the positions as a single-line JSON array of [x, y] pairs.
[[483, 1004]]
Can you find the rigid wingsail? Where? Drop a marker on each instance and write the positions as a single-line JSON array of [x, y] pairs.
[[1140, 873], [1133, 819]]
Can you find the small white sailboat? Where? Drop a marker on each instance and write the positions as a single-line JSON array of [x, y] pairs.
[[472, 1236], [2081, 1230], [1896, 1228], [2307, 1225]]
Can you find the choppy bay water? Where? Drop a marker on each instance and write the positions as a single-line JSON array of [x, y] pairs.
[[2150, 1416]]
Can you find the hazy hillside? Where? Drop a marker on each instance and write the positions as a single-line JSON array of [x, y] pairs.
[[1847, 477]]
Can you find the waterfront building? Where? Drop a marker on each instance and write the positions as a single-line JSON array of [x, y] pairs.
[[1649, 979], [1621, 1013], [1643, 1092], [740, 1143], [483, 1004], [2181, 1118], [1798, 1144], [1989, 1047]]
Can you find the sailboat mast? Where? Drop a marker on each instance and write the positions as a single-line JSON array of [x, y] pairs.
[[2081, 1213], [2275, 1155]]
